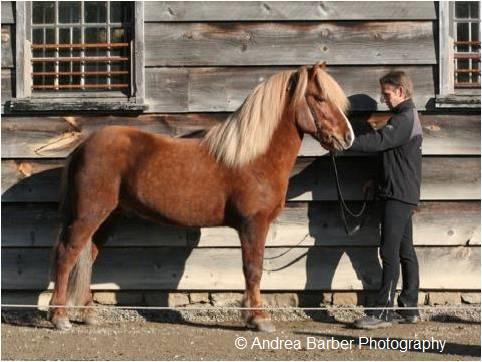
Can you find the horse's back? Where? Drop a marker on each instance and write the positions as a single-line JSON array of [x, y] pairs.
[[176, 179]]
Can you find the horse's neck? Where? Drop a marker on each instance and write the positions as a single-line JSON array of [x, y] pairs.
[[284, 146]]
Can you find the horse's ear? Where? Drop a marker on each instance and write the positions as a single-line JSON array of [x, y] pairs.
[[321, 65]]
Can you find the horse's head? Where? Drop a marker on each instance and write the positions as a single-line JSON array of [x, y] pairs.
[[319, 106]]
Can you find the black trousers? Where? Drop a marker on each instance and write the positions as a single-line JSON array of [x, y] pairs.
[[397, 249]]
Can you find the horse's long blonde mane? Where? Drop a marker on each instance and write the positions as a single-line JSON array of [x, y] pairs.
[[247, 132]]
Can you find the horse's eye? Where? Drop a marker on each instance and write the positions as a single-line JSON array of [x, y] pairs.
[[320, 98]]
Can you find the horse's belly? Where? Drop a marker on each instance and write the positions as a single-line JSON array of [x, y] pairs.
[[192, 211], [191, 206]]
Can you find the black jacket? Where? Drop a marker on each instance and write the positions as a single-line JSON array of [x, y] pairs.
[[400, 142]]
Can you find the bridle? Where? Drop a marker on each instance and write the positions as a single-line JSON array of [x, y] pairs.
[[344, 209]]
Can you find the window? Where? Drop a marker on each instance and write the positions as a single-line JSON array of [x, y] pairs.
[[467, 44], [459, 54], [80, 54]]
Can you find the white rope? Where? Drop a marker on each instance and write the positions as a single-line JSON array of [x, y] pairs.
[[449, 307]]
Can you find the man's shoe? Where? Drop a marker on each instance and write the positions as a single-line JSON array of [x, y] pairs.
[[411, 319], [405, 319], [371, 322]]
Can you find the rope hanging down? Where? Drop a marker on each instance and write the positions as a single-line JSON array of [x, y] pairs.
[[344, 209]]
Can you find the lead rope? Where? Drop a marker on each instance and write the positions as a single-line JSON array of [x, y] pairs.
[[344, 207]]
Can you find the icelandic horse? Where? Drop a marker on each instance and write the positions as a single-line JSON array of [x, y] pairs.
[[236, 175]]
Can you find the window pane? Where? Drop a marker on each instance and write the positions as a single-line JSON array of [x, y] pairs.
[[43, 12], [474, 9], [69, 12], [37, 36], [462, 35], [116, 12], [476, 76], [64, 36], [462, 9], [95, 35], [475, 31], [50, 36], [462, 64], [95, 11]]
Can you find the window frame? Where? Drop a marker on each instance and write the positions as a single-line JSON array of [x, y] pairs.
[[82, 101], [449, 96]]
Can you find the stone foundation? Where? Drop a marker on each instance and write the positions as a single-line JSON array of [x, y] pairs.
[[222, 299]]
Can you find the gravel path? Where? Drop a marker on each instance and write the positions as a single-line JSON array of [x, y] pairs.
[[212, 335]]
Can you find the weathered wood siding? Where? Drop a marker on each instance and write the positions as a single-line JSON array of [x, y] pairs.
[[202, 60]]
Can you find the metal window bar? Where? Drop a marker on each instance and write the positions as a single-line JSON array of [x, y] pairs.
[[81, 59]]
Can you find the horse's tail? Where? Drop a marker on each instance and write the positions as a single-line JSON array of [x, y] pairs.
[[80, 276]]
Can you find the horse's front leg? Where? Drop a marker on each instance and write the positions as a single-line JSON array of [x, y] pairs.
[[253, 237]]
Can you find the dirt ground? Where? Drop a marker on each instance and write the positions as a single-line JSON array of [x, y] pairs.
[[130, 335]]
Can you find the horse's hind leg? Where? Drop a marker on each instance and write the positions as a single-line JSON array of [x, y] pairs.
[[76, 245], [253, 237], [99, 239]]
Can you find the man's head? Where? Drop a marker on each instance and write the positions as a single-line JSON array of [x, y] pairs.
[[395, 87]]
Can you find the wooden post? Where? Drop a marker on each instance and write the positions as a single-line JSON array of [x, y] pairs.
[[446, 51], [139, 86]]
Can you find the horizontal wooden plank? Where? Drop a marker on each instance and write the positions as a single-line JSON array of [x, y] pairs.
[[7, 12], [8, 40], [224, 89], [286, 43], [220, 269], [56, 137], [309, 224], [287, 10], [444, 178]]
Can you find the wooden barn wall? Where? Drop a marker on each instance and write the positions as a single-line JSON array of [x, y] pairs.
[[202, 59]]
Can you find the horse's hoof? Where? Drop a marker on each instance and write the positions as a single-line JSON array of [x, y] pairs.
[[62, 324], [262, 325], [91, 320]]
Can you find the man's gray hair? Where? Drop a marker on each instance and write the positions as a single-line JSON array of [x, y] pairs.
[[399, 78]]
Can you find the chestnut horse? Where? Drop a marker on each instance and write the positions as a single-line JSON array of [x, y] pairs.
[[237, 175]]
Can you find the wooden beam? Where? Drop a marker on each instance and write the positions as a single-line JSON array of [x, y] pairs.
[[220, 269], [304, 224], [444, 178], [157, 11], [224, 89], [50, 136], [286, 43]]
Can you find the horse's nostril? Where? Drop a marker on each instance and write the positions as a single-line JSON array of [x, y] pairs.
[[349, 137]]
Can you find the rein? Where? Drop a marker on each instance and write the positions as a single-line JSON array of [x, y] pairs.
[[344, 209]]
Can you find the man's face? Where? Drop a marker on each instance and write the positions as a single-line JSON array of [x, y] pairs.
[[392, 95]]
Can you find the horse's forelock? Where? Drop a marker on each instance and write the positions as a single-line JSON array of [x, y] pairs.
[[332, 91]]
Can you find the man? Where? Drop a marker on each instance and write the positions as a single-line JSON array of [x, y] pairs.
[[400, 143]]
